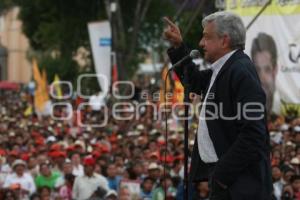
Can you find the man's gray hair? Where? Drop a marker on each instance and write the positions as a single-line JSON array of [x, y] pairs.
[[230, 24]]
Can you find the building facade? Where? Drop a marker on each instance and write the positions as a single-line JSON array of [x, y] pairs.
[[15, 67]]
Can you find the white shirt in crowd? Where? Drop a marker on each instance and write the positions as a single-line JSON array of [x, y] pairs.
[[85, 186], [97, 101], [205, 146], [78, 170], [26, 182]]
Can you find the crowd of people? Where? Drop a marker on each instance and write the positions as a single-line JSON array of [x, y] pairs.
[[46, 158]]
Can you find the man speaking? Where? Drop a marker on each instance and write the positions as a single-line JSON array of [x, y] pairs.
[[232, 143]]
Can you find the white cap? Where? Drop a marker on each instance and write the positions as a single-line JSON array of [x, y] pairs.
[[284, 127], [133, 133], [80, 143], [110, 193], [51, 139], [89, 128], [18, 162], [289, 143], [153, 131], [153, 166], [295, 161], [12, 134], [140, 127], [297, 128]]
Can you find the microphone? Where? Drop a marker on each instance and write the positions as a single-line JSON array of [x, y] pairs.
[[193, 55]]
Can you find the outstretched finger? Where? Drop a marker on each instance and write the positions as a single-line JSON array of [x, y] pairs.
[[169, 22]]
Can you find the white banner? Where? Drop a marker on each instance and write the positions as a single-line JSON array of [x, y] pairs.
[[273, 43], [100, 38]]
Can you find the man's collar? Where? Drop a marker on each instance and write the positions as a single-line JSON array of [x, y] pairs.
[[221, 61]]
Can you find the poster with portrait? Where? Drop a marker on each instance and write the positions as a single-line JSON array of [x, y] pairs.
[[273, 43]]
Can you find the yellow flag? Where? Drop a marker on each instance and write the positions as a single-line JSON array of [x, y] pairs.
[[178, 90], [36, 72], [41, 95], [165, 80], [57, 87], [28, 111]]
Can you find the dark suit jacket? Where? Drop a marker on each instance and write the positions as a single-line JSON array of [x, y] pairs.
[[242, 145]]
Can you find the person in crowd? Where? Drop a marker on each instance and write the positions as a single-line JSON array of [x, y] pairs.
[[166, 183], [147, 188], [45, 193], [77, 166], [65, 191], [10, 195], [85, 186], [295, 183], [47, 177], [278, 183], [112, 177], [202, 191], [124, 193], [67, 169], [20, 180]]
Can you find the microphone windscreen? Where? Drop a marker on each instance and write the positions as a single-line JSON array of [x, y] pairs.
[[195, 54]]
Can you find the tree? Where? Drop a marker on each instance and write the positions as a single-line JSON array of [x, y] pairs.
[[60, 27], [5, 5], [137, 26], [56, 29]]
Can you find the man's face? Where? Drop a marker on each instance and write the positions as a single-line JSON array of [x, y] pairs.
[[288, 175], [124, 194], [45, 171], [111, 171], [296, 185], [88, 170], [276, 173], [148, 185], [267, 74], [76, 159], [68, 168], [211, 43], [119, 161], [19, 170], [154, 173]]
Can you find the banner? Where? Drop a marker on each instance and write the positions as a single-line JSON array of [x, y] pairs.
[[273, 43], [41, 97], [100, 38], [57, 88]]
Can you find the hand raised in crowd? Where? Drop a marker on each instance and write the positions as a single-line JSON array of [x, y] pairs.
[[172, 33]]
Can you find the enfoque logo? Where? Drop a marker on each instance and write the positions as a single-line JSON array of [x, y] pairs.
[[125, 109]]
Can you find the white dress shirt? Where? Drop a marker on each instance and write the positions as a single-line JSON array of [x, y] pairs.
[[26, 182], [85, 186], [205, 146]]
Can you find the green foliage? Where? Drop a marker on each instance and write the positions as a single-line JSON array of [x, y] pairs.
[[66, 68], [56, 24], [89, 86], [5, 4], [194, 34], [152, 28], [61, 26]]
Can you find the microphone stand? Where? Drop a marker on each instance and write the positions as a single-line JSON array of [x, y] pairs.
[[186, 86]]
